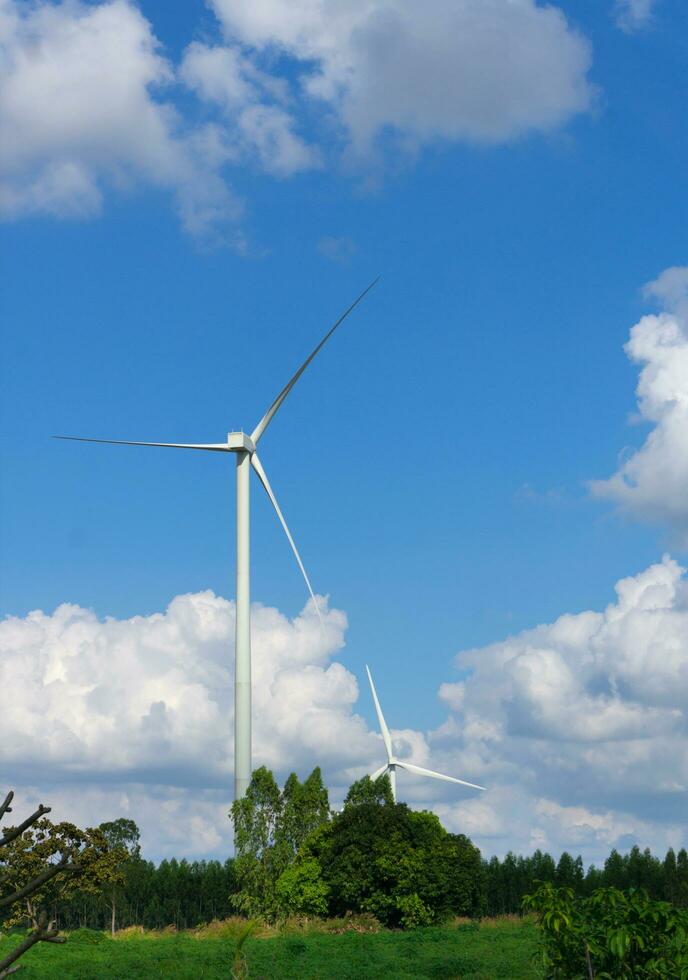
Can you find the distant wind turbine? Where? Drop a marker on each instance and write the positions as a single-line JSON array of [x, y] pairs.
[[245, 448], [393, 763]]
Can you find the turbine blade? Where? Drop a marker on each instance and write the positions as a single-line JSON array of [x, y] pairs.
[[257, 466], [386, 737], [379, 772], [217, 447], [436, 775], [266, 419]]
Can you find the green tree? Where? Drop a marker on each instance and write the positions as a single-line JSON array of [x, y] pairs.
[[624, 935], [615, 875], [682, 877], [123, 839], [300, 889], [403, 867], [255, 818], [369, 791], [543, 867], [670, 877], [270, 827], [42, 866], [569, 872], [303, 808]]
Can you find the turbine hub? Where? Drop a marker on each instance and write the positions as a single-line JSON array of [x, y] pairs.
[[239, 441]]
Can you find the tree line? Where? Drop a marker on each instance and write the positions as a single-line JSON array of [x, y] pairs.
[[509, 880], [296, 857], [184, 894]]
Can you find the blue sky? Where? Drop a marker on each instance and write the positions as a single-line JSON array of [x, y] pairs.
[[433, 462]]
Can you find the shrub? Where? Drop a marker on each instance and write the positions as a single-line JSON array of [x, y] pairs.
[[399, 865], [300, 890], [611, 934]]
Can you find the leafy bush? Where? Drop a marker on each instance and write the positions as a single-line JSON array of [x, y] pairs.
[[376, 856], [270, 827], [611, 934], [400, 865], [300, 890]]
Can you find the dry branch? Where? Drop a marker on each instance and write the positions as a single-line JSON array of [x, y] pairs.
[[44, 930]]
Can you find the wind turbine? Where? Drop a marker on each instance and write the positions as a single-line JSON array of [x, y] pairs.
[[244, 446], [393, 763]]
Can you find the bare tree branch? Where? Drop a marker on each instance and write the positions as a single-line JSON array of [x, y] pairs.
[[45, 932], [35, 883], [16, 831], [5, 807]]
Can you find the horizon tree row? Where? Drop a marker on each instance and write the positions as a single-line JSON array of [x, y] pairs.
[[296, 857]]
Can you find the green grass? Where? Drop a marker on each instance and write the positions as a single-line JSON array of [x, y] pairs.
[[501, 948]]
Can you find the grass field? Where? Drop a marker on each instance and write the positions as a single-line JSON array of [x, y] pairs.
[[500, 948]]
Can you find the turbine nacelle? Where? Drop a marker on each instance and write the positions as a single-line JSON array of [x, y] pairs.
[[239, 442]]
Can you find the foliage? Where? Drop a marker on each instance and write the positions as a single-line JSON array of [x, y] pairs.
[[300, 890], [610, 934], [507, 881], [304, 807], [41, 865], [270, 826], [375, 856], [403, 867], [84, 854], [186, 893], [178, 893], [122, 837], [370, 791]]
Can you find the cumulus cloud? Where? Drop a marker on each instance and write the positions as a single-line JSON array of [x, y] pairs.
[[80, 111], [152, 697], [136, 715], [478, 70], [224, 77], [650, 482], [577, 728], [90, 103], [633, 15], [670, 289]]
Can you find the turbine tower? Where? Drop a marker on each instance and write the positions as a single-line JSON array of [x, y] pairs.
[[244, 446], [393, 763]]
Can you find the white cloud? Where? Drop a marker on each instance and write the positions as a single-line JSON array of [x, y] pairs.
[[153, 696], [80, 111], [577, 728], [87, 104], [670, 289], [633, 15], [136, 715], [90, 103], [650, 483], [225, 77], [479, 70]]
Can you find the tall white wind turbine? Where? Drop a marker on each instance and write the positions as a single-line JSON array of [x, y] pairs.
[[393, 763], [246, 457]]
